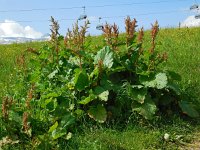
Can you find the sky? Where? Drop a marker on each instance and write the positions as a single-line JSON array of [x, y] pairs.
[[30, 18]]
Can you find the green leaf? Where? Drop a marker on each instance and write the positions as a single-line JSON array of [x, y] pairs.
[[137, 93], [98, 90], [106, 83], [148, 80], [81, 79], [67, 120], [98, 113], [53, 127], [104, 96], [57, 133], [102, 93], [50, 104], [188, 109], [147, 109], [88, 99], [51, 95], [106, 56], [79, 112], [51, 75], [135, 55], [159, 81], [174, 87], [174, 76]]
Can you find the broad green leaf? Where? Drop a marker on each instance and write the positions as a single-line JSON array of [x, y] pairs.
[[159, 81], [174, 87], [106, 83], [57, 133], [102, 93], [188, 109], [148, 80], [147, 109], [98, 113], [137, 93], [67, 120], [98, 90], [53, 127], [88, 99], [174, 76], [106, 56], [81, 79]]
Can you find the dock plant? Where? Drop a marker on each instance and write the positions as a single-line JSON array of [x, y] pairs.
[[66, 83]]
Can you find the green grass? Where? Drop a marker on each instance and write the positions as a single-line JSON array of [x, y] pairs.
[[135, 136], [183, 48], [8, 55]]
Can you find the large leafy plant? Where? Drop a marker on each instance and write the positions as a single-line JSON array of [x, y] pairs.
[[66, 82]]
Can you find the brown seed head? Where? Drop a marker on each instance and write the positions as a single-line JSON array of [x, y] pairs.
[[54, 30], [32, 50], [154, 30], [111, 34], [75, 39], [55, 34], [25, 121], [6, 104], [141, 35], [20, 61], [130, 30]]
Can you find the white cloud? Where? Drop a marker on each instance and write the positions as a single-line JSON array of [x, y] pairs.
[[191, 21], [11, 28]]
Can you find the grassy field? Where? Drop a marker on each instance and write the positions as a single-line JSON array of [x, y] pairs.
[[183, 48]]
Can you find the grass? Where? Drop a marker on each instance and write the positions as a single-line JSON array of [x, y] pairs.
[[183, 48], [8, 55], [135, 136]]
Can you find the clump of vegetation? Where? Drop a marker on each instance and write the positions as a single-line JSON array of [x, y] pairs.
[[67, 83]]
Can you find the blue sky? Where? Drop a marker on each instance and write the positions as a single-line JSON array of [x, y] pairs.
[[148, 7]]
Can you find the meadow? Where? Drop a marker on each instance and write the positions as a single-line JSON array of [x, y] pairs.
[[183, 49]]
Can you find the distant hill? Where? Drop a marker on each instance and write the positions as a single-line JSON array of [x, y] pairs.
[[10, 40]]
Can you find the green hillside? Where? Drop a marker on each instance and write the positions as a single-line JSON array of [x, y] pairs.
[[183, 49], [182, 46]]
